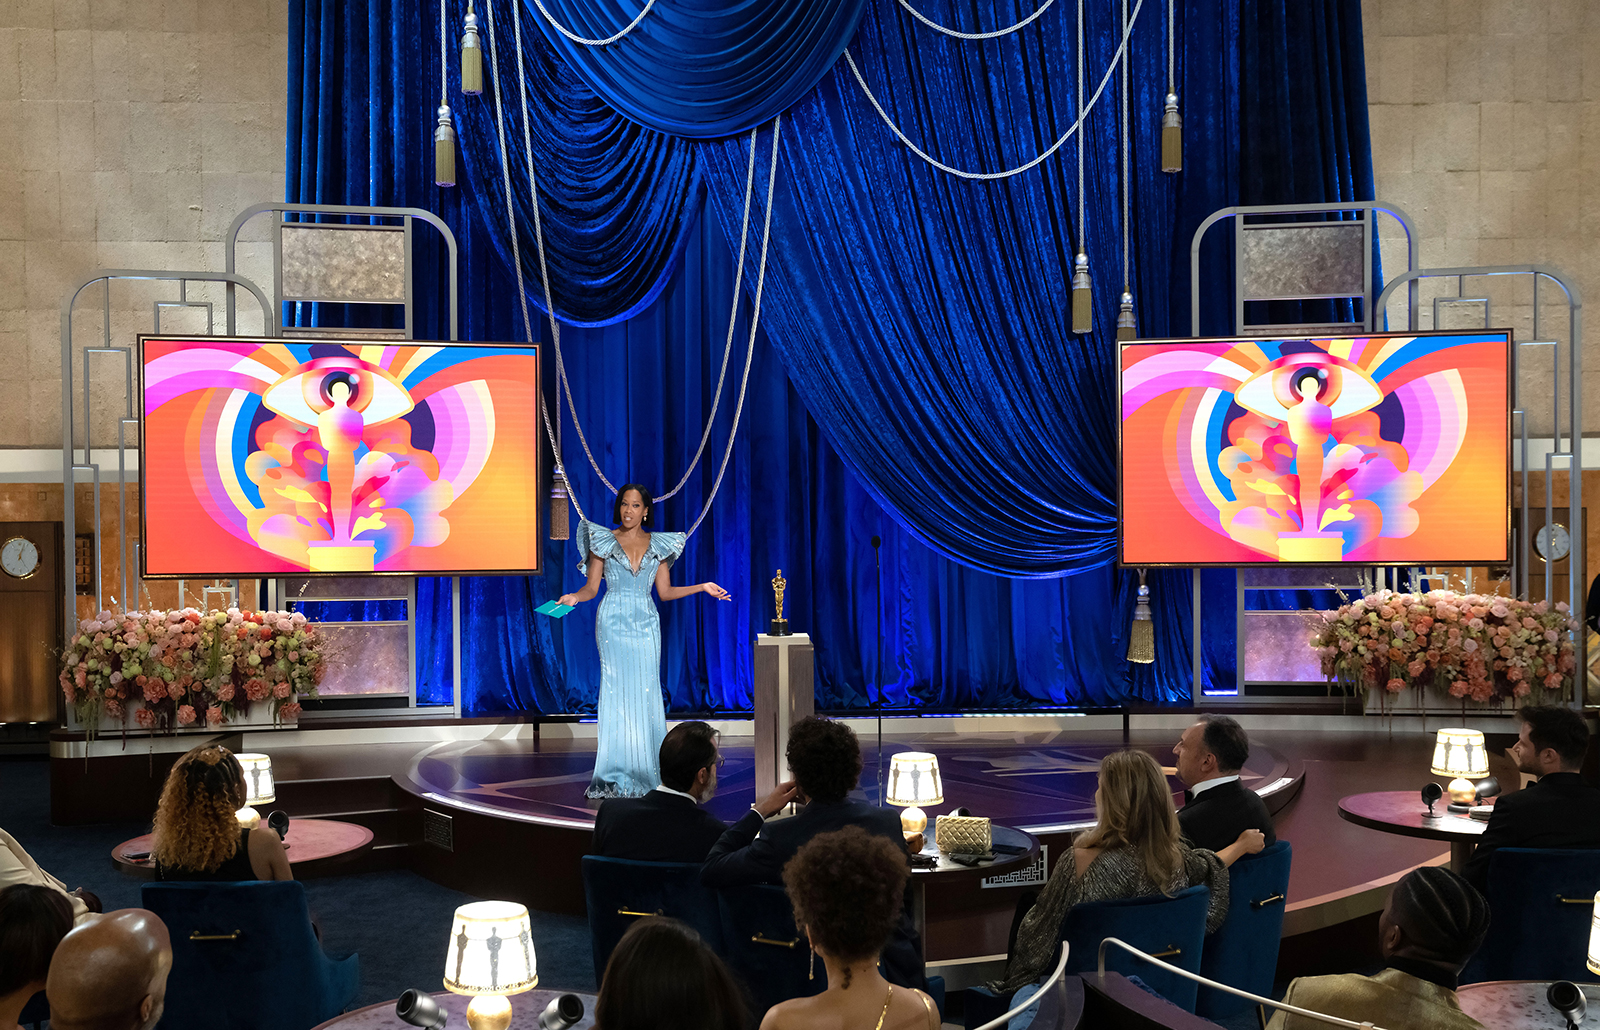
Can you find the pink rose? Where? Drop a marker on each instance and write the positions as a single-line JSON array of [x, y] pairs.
[[1474, 623], [225, 692], [1561, 606], [145, 717], [1530, 623], [1459, 688], [154, 691], [1551, 635], [176, 690], [280, 690], [1469, 645], [1395, 685], [214, 715], [185, 715], [294, 656], [1499, 610], [255, 690], [114, 708], [1522, 690], [1415, 668], [289, 711]]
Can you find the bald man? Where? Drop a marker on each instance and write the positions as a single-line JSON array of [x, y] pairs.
[[110, 973]]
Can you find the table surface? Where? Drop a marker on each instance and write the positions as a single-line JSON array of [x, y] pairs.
[[1517, 1004], [1402, 812], [525, 1010], [948, 870], [309, 840]]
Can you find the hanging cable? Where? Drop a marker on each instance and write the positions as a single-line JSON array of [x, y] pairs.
[[1082, 295], [589, 42], [444, 134], [963, 174], [935, 26], [1127, 324], [1171, 123]]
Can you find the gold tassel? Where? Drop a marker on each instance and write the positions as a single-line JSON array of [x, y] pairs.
[[1127, 324], [1082, 306], [444, 150], [1142, 634], [471, 55], [1171, 137], [559, 527]]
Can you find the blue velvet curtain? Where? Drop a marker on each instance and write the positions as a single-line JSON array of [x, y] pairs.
[[922, 318]]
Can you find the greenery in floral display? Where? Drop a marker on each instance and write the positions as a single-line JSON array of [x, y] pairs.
[[1481, 647], [180, 668]]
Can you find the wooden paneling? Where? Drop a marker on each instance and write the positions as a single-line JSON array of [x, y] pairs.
[[30, 628]]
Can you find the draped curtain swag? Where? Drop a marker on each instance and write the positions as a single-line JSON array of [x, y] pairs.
[[920, 385]]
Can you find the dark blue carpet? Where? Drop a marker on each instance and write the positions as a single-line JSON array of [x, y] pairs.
[[396, 921]]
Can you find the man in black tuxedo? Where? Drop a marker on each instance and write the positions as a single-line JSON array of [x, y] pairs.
[[1217, 807], [668, 824], [826, 761], [1557, 811]]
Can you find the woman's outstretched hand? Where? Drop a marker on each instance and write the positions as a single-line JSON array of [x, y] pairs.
[[570, 600], [1252, 841], [716, 591]]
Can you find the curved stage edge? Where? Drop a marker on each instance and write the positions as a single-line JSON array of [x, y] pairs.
[[510, 820]]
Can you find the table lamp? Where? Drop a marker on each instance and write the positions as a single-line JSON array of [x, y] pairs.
[[258, 788], [490, 957], [913, 781], [1460, 753]]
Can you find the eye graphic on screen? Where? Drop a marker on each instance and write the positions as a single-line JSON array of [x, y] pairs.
[[1375, 449], [271, 456]]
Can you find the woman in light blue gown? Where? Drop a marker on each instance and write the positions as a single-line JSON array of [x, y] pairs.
[[633, 717]]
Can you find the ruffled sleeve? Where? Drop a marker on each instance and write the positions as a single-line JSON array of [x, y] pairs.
[[667, 547], [594, 542]]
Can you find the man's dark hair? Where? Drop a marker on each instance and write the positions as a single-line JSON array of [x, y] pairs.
[[32, 922], [1559, 728], [662, 976], [688, 748], [1440, 914], [1226, 739], [825, 758]]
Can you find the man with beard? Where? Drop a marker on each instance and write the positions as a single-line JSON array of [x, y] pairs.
[[1557, 811]]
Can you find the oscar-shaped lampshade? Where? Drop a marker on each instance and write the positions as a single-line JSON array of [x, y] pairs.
[[913, 781], [258, 787], [490, 956], [1460, 753], [1594, 937]]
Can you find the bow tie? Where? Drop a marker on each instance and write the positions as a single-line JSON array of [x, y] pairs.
[[1188, 796]]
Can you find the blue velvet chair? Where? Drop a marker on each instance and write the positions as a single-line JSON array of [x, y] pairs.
[[764, 948], [618, 891], [1540, 905], [244, 957], [1172, 929], [1243, 953]]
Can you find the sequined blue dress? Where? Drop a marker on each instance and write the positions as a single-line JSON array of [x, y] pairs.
[[633, 716]]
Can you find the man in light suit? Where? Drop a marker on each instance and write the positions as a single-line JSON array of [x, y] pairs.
[[1217, 807], [668, 824]]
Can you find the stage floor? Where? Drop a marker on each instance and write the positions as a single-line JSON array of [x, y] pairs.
[[1039, 781]]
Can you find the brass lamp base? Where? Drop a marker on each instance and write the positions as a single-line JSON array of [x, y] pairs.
[[248, 817], [489, 1012]]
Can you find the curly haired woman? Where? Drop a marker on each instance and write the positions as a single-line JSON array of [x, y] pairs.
[[847, 888], [198, 837]]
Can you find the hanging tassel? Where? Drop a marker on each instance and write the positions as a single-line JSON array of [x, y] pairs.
[[1127, 324], [559, 527], [444, 150], [1082, 309], [1142, 634], [1171, 137], [471, 55]]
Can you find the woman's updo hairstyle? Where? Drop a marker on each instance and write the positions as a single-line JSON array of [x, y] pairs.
[[645, 497], [847, 887]]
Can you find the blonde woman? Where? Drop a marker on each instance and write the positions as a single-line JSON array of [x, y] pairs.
[[1135, 849], [198, 837]]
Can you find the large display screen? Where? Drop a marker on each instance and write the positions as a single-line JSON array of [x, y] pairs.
[[1371, 450], [268, 457]]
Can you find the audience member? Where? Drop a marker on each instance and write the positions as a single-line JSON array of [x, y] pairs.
[[197, 834], [18, 867], [847, 888], [33, 919], [668, 824], [1558, 811], [1135, 849], [662, 976], [826, 761], [1432, 923], [1217, 807], [111, 973]]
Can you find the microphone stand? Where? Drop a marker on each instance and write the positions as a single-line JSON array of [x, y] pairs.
[[877, 563]]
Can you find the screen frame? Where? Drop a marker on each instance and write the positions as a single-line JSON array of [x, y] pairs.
[[1511, 386], [541, 467]]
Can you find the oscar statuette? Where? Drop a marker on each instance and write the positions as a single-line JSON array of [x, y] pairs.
[[780, 625]]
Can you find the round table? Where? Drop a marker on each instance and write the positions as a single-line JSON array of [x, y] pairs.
[[525, 1010], [947, 870], [1517, 1004], [316, 847], [1403, 812]]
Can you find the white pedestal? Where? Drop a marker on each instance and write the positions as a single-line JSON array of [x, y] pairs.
[[785, 693]]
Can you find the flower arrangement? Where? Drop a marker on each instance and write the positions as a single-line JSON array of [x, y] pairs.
[[180, 668], [1485, 648]]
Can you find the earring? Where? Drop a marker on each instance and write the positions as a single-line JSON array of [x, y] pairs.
[[813, 974]]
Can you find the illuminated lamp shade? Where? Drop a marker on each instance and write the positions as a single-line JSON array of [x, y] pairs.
[[258, 788], [914, 780], [490, 956], [1594, 937], [1460, 753]]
